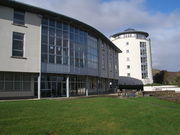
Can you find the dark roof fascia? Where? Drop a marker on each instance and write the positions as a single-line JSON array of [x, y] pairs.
[[51, 14], [129, 32]]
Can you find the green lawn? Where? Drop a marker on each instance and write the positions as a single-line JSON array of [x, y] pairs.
[[92, 116]]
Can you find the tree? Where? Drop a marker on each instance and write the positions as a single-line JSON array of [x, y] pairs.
[[178, 80], [160, 77]]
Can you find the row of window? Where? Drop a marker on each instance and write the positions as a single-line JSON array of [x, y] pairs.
[[15, 81], [144, 65], [138, 36]]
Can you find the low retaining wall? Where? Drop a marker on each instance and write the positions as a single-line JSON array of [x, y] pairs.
[[162, 88]]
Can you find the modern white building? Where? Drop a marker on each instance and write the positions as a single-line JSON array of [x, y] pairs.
[[135, 60], [46, 54]]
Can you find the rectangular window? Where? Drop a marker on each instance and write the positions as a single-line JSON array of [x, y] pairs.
[[44, 48], [58, 41], [51, 59], [58, 60], [44, 39], [65, 60], [51, 23], [58, 51], [44, 58], [18, 44], [59, 25], [128, 74], [58, 33], [19, 17], [51, 49], [128, 66]]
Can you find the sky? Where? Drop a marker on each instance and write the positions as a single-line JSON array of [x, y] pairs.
[[160, 18]]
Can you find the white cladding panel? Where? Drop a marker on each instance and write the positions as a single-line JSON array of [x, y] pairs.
[[32, 47]]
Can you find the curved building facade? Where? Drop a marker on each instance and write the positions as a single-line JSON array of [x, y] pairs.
[[135, 60], [46, 54]]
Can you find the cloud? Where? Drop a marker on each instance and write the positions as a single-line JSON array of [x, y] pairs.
[[116, 15]]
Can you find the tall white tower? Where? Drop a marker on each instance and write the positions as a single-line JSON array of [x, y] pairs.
[[135, 59]]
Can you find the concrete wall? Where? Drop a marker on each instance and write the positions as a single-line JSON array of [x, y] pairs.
[[32, 48]]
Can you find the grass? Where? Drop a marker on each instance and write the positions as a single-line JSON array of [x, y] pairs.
[[92, 116]]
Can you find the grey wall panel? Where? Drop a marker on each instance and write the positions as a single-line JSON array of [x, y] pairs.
[[54, 68]]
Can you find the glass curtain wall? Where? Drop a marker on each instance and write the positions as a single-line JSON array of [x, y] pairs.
[[60, 39], [54, 42], [92, 52], [78, 43]]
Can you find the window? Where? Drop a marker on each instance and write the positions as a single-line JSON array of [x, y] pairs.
[[19, 17], [18, 43], [58, 60], [127, 51], [127, 43], [128, 66], [144, 75], [143, 44], [51, 49], [51, 59], [51, 23], [44, 58], [58, 50], [128, 74]]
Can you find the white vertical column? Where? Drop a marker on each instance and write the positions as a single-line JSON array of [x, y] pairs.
[[67, 86], [87, 86], [39, 77], [39, 86]]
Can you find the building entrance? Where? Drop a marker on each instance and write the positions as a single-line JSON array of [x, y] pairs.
[[53, 86]]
